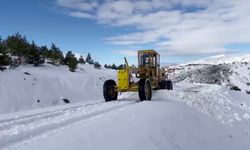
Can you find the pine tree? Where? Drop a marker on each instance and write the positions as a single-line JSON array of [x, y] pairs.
[[4, 58], [113, 66], [71, 61], [34, 55], [97, 65], [89, 59], [81, 60], [122, 66], [68, 56], [44, 51], [55, 55], [3, 49], [18, 46], [72, 64], [106, 66]]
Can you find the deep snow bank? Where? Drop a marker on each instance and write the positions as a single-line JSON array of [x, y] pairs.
[[29, 87], [227, 106]]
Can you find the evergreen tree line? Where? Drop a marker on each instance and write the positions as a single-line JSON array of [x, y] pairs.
[[113, 66], [16, 50]]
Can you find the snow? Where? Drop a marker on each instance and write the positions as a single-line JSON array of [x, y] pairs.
[[186, 118], [29, 87], [246, 116], [231, 74], [21, 127], [214, 100], [222, 58], [193, 116], [241, 76]]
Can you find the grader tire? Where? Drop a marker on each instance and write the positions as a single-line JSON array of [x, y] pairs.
[[169, 85], [145, 90], [163, 85], [109, 91]]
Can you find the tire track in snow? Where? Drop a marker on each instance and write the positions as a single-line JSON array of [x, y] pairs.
[[6, 123], [33, 125]]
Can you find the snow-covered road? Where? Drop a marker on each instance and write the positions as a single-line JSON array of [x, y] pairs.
[[18, 128], [185, 118]]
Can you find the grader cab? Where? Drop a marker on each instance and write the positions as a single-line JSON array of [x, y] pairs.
[[146, 77]]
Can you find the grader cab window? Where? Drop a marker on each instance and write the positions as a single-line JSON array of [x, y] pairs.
[[158, 60], [147, 59], [144, 59]]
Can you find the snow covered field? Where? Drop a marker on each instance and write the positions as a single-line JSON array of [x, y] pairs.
[[193, 116]]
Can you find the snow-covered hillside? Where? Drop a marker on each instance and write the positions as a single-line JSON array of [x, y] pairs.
[[28, 87], [233, 71], [223, 59]]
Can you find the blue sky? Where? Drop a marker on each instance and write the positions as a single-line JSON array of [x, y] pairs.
[[181, 30]]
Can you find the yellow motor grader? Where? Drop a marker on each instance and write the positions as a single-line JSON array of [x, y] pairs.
[[146, 77]]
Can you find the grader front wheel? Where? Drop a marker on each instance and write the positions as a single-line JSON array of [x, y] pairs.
[[145, 90], [109, 90]]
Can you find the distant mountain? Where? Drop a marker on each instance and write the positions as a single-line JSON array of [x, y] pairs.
[[223, 58]]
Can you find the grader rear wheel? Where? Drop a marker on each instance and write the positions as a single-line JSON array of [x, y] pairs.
[[145, 90], [169, 85], [166, 84], [109, 90], [163, 85]]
